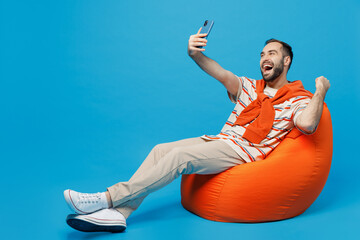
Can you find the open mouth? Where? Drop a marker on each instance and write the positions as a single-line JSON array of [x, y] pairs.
[[267, 67]]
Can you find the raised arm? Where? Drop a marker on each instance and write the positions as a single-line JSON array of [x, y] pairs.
[[309, 119], [227, 78]]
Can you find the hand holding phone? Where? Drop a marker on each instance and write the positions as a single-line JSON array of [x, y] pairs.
[[199, 40], [206, 28]]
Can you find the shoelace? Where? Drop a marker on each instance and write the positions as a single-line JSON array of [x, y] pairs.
[[89, 198]]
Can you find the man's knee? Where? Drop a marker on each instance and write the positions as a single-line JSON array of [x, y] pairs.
[[161, 148], [165, 148]]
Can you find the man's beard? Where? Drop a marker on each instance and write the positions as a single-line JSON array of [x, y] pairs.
[[277, 71]]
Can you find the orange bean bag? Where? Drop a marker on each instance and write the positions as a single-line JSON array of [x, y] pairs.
[[281, 186]]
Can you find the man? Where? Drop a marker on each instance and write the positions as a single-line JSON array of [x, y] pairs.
[[265, 112]]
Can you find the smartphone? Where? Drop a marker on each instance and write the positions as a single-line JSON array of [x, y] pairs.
[[206, 28]]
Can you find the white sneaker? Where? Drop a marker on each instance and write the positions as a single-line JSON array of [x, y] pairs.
[[106, 220], [85, 203]]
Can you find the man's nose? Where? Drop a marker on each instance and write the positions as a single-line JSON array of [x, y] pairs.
[[266, 58]]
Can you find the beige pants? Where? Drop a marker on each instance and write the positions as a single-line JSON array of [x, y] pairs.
[[168, 161]]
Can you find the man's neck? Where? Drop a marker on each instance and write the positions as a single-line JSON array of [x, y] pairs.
[[279, 82]]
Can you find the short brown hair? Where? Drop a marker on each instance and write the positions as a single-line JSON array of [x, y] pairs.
[[286, 48]]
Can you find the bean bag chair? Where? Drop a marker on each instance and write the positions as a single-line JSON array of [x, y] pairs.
[[281, 186]]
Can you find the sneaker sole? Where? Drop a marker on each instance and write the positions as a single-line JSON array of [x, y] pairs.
[[86, 224]]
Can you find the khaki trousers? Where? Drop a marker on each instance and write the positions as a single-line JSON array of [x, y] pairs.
[[168, 161]]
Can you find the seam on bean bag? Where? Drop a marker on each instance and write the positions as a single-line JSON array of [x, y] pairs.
[[219, 195]]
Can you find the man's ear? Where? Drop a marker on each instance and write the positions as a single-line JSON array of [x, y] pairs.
[[287, 61]]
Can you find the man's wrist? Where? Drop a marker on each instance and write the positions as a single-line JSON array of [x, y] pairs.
[[195, 54], [321, 93]]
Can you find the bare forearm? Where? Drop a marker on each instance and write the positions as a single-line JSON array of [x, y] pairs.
[[309, 119], [209, 66], [196, 46]]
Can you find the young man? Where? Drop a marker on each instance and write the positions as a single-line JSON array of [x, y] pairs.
[[265, 112]]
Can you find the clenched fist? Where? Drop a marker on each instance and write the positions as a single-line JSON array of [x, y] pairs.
[[322, 85], [196, 41]]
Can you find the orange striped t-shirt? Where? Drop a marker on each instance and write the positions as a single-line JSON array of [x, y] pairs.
[[285, 116]]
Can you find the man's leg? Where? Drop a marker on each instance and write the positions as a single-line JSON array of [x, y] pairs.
[[161, 150], [202, 158], [84, 203], [151, 160], [93, 210]]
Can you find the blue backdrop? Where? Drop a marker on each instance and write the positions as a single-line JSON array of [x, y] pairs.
[[87, 88]]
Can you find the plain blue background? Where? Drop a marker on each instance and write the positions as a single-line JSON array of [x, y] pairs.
[[87, 88]]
